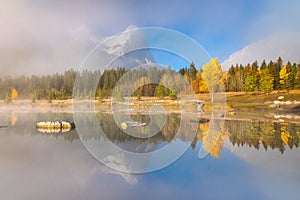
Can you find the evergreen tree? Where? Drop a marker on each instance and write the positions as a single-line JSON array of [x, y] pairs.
[[241, 77], [251, 79], [192, 72], [8, 95], [256, 75], [297, 78], [232, 80], [182, 71], [160, 91], [263, 65], [172, 95], [285, 77], [293, 75], [274, 70], [117, 95], [266, 81], [49, 97], [138, 94]]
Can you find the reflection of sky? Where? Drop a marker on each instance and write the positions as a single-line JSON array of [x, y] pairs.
[[34, 166], [209, 178], [273, 167]]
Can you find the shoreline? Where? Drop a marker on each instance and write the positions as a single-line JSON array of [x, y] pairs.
[[282, 113], [248, 106]]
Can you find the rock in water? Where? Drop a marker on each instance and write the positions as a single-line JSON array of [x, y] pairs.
[[55, 126]]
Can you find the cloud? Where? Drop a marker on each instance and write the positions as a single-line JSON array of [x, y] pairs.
[[274, 33], [277, 17], [51, 36], [45, 37], [48, 36], [34, 41], [285, 45]]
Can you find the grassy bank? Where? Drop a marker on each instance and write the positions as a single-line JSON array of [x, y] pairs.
[[255, 100], [238, 101]]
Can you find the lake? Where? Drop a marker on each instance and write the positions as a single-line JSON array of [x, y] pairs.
[[248, 159]]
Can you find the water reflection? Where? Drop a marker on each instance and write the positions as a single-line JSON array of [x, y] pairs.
[[13, 119], [24, 124], [269, 135], [254, 134], [55, 166]]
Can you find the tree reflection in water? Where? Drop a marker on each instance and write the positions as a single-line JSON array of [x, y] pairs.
[[256, 134], [259, 134]]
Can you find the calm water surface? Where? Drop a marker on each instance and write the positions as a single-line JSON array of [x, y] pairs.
[[251, 160]]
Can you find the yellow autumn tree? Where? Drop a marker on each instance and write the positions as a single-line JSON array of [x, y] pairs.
[[284, 76], [201, 85], [195, 85], [14, 94], [212, 76]]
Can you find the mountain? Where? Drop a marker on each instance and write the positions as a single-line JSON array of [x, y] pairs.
[[127, 49]]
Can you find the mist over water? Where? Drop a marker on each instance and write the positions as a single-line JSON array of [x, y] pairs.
[[56, 165]]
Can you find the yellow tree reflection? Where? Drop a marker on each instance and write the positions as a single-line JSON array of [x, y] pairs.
[[212, 139], [213, 143], [13, 119], [285, 135]]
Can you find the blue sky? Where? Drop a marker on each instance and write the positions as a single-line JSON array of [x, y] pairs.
[[44, 36], [221, 27]]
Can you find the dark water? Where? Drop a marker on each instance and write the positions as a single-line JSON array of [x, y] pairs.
[[250, 160]]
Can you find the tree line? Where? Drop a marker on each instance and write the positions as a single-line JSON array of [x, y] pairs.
[[55, 86], [147, 81], [154, 81], [266, 77]]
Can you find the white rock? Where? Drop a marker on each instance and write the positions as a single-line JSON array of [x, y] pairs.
[[276, 102], [288, 102]]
